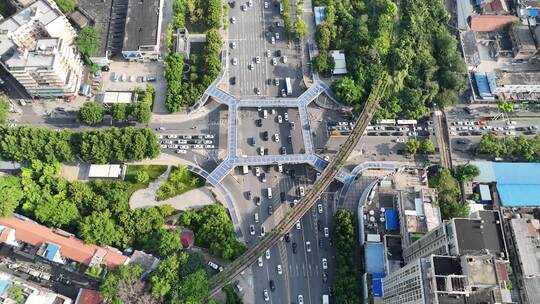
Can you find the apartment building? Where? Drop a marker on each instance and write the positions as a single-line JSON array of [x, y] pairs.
[[37, 48]]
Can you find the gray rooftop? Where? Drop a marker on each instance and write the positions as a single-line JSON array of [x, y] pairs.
[[526, 242], [473, 236], [532, 288], [141, 24]]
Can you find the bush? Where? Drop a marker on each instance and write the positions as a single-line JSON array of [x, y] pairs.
[[180, 181], [4, 110], [91, 113], [66, 6], [449, 195], [88, 41]]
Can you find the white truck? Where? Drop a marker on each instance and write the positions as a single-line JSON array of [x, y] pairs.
[[288, 85], [325, 299]]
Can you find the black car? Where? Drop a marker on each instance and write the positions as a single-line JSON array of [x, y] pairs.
[[330, 242], [265, 151], [289, 139], [248, 195], [105, 68], [476, 133], [258, 122], [324, 277], [397, 133], [530, 132], [278, 53], [463, 141], [287, 237], [257, 200], [293, 173], [272, 285], [270, 210], [372, 134], [265, 135], [294, 247], [232, 4], [232, 80], [464, 134], [283, 150], [319, 225], [282, 196], [321, 243], [384, 134]]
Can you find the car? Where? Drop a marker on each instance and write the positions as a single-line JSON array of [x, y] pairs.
[[258, 122], [257, 59], [243, 8], [298, 225], [279, 119], [250, 3], [324, 263], [271, 283], [509, 133], [529, 132], [263, 177], [279, 269], [320, 208], [278, 53], [280, 168], [233, 20], [268, 53], [232, 4], [257, 200], [308, 246], [266, 296], [324, 277], [163, 146], [533, 128], [283, 150], [510, 122], [248, 195], [265, 4], [284, 59], [277, 36], [300, 299], [215, 266], [319, 225], [172, 146], [286, 116], [257, 171], [265, 135], [284, 94], [251, 229], [287, 237], [270, 210], [151, 78], [274, 61], [185, 147], [251, 67], [232, 80], [302, 191], [326, 231], [294, 247], [267, 254], [257, 91], [233, 45], [261, 151], [276, 137], [181, 151], [273, 40], [289, 139], [321, 243], [263, 231], [234, 61]]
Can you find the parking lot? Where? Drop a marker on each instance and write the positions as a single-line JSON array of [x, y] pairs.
[[259, 51], [274, 134]]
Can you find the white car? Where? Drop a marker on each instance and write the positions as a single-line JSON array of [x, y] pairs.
[[215, 266], [185, 147], [267, 254], [265, 4], [326, 232], [233, 45], [172, 136], [234, 61], [266, 296], [277, 36], [274, 61], [268, 53], [257, 171], [308, 246], [181, 151], [284, 58], [276, 137], [163, 146], [208, 142], [279, 119], [251, 229], [209, 146], [251, 67], [209, 136], [286, 115], [320, 208], [280, 168], [257, 59], [182, 141], [260, 262], [263, 232], [233, 20], [261, 151], [243, 8], [511, 122], [510, 133], [300, 299], [279, 270], [250, 3], [324, 263], [298, 225], [198, 146], [172, 146], [273, 40], [302, 191]]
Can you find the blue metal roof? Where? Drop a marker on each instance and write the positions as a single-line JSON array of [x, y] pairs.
[[391, 219], [533, 12], [320, 14], [482, 84], [52, 249], [374, 257], [376, 284], [3, 286]]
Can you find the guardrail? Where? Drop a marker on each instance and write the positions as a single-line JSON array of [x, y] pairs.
[[305, 204]]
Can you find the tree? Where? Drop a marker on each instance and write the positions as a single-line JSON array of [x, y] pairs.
[[56, 210], [15, 292], [91, 113], [11, 194], [449, 194], [346, 282], [413, 145], [119, 112], [347, 91], [505, 106], [426, 146], [324, 36], [232, 296], [88, 41], [300, 28], [100, 229], [213, 14], [124, 273], [4, 110], [491, 145], [194, 288], [142, 112], [133, 291], [323, 63], [142, 177], [66, 6], [466, 172]]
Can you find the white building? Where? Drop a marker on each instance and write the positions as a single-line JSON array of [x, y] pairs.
[[340, 65], [504, 83], [36, 47]]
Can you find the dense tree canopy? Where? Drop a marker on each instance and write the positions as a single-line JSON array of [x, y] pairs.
[[4, 110], [449, 193], [466, 172], [66, 6], [88, 41], [346, 285], [124, 274], [519, 148], [11, 194], [91, 113]]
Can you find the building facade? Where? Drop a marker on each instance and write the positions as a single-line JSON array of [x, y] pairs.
[[36, 48]]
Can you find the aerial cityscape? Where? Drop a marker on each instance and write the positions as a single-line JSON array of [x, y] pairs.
[[269, 151]]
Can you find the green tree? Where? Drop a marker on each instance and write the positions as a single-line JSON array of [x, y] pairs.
[[124, 273], [91, 113], [505, 106], [142, 177], [300, 28], [4, 110], [11, 193], [323, 63], [466, 172], [346, 282], [142, 112], [194, 288], [89, 41], [119, 112], [449, 194], [15, 292], [347, 91], [213, 14], [66, 6], [413, 146], [56, 211], [426, 146], [100, 229], [232, 296], [324, 36], [491, 145]]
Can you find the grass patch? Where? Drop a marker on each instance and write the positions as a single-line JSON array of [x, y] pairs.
[[152, 171], [180, 181]]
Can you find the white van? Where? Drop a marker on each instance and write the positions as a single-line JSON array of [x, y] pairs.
[[269, 193], [265, 114], [256, 216], [245, 169], [325, 299]]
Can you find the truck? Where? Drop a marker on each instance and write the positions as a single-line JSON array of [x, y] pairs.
[[288, 85], [245, 169], [269, 191], [325, 299]]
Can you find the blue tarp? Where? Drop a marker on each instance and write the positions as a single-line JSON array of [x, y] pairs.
[[52, 249], [320, 14], [374, 257], [3, 286], [376, 284], [482, 84], [533, 12], [391, 219]]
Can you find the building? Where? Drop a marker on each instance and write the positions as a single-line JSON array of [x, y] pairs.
[[89, 296], [498, 7], [525, 238], [320, 14], [33, 294], [481, 233], [491, 23], [448, 279], [516, 184], [143, 30], [181, 42], [107, 171], [55, 245], [111, 97], [523, 43], [340, 65], [36, 47], [514, 85]]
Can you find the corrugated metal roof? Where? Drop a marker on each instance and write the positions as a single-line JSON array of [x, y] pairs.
[[485, 194], [391, 219], [482, 84], [52, 249]]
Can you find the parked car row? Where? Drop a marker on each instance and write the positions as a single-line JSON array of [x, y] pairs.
[[131, 78]]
